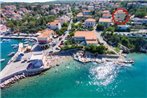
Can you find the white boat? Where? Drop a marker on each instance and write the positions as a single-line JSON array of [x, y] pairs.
[[129, 61], [11, 54], [5, 40], [26, 42], [14, 46], [2, 60]]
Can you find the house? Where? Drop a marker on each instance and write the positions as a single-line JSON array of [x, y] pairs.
[[64, 19], [91, 8], [79, 16], [85, 37], [120, 15], [45, 37], [139, 21], [106, 14], [3, 29], [123, 27], [90, 22], [86, 12], [37, 61], [55, 25], [105, 21]]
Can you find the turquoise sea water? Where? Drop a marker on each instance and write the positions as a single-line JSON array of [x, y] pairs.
[[6, 48], [76, 80]]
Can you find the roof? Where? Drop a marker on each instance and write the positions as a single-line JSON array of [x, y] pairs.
[[86, 11], [64, 17], [90, 36], [46, 33], [55, 22], [36, 57], [106, 15], [91, 42], [105, 20], [79, 14], [106, 12], [90, 19]]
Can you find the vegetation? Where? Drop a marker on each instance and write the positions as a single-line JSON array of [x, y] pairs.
[[141, 13], [100, 27], [66, 47], [133, 44], [29, 24], [110, 29], [71, 34], [61, 31], [96, 49]]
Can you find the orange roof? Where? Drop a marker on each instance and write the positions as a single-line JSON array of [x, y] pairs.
[[55, 22], [90, 19], [105, 20], [79, 14], [46, 33], [106, 11], [90, 36], [107, 14]]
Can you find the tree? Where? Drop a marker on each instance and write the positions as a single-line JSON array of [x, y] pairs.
[[96, 49], [100, 27]]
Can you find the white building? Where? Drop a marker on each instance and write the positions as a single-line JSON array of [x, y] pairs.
[[91, 8], [85, 37], [55, 25], [105, 21], [86, 12], [123, 27], [45, 37], [139, 21], [64, 19], [90, 22]]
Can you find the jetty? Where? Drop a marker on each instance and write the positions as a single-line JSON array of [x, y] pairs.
[[22, 64], [17, 37], [86, 57]]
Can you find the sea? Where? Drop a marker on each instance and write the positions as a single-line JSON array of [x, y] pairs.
[[73, 79]]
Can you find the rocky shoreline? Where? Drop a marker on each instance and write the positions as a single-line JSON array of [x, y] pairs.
[[53, 60]]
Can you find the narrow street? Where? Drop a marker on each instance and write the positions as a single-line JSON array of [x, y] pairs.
[[101, 40], [63, 37]]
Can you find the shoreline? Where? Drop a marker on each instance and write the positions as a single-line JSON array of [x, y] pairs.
[[52, 64], [51, 61], [86, 57]]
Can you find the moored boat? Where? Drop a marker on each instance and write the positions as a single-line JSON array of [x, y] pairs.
[[2, 60], [11, 54]]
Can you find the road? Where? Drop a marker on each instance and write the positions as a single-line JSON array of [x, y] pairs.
[[63, 37], [101, 40]]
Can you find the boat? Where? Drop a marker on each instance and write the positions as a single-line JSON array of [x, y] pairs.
[[26, 42], [2, 60], [129, 61], [5, 40], [14, 46], [11, 54]]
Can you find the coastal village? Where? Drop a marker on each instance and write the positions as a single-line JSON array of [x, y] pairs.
[[83, 31]]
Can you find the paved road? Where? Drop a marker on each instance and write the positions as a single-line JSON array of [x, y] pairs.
[[63, 37], [101, 40]]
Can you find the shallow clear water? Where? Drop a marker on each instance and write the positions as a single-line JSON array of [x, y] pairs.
[[76, 80], [6, 48]]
